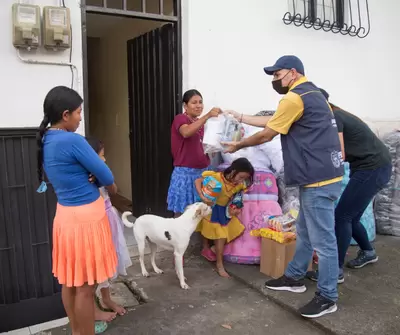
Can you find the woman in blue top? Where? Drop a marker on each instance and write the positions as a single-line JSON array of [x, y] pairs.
[[83, 251]]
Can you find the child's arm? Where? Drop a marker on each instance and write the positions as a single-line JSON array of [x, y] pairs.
[[86, 156], [197, 183]]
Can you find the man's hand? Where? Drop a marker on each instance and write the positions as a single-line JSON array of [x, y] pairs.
[[230, 147], [235, 114]]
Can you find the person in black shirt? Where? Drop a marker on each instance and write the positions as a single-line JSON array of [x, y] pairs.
[[370, 171]]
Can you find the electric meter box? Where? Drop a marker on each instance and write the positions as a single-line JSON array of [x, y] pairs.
[[26, 26], [56, 28]]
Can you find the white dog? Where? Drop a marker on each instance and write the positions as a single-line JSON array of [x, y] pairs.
[[171, 234]]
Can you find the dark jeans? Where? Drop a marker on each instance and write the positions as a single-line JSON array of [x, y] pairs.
[[359, 192]]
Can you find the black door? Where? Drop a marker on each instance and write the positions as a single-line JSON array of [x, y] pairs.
[[28, 292], [153, 89]]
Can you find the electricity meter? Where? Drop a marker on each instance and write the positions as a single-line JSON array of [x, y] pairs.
[[57, 28], [26, 26]]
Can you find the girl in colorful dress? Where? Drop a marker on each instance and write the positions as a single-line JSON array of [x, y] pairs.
[[117, 232], [187, 133], [219, 227], [83, 249]]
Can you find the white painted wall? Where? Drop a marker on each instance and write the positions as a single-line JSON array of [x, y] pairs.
[[226, 45], [23, 87], [228, 42]]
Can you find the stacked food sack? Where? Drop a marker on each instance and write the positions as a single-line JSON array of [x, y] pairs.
[[387, 201]]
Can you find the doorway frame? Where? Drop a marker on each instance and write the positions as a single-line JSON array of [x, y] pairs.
[[175, 19]]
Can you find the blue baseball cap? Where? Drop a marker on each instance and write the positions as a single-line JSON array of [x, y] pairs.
[[286, 62]]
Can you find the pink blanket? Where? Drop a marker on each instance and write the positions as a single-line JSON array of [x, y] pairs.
[[246, 249]]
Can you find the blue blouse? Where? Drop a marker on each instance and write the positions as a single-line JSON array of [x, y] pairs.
[[68, 160]]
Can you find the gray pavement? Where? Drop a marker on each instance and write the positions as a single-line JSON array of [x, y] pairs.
[[369, 300], [213, 305]]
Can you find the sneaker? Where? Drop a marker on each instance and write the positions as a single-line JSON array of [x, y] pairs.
[[317, 307], [313, 275], [286, 284], [364, 257]]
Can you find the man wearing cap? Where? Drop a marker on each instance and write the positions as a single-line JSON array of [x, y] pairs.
[[313, 161]]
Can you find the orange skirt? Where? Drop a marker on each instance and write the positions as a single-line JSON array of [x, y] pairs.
[[83, 250]]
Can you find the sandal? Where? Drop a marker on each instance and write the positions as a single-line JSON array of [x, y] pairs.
[[209, 255], [100, 327]]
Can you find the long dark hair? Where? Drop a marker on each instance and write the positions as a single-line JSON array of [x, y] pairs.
[[190, 94], [96, 144], [57, 101], [240, 165]]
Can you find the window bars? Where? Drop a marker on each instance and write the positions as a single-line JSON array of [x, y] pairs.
[[348, 17]]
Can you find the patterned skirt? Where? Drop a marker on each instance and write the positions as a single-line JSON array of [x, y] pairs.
[[182, 192]]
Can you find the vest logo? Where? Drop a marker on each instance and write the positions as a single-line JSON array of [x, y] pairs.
[[336, 157], [334, 123]]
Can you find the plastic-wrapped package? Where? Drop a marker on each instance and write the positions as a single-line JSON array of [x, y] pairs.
[[285, 223], [278, 236], [288, 195], [222, 128], [211, 188], [215, 159], [387, 201]]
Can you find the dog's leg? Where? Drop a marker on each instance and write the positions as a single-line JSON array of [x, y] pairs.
[[179, 270], [141, 245], [153, 248]]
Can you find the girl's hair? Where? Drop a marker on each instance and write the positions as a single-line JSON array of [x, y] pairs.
[[240, 165], [190, 94], [96, 144], [57, 101]]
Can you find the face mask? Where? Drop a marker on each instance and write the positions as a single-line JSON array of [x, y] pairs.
[[277, 85]]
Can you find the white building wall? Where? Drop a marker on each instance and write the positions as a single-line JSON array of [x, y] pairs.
[[23, 86], [228, 42]]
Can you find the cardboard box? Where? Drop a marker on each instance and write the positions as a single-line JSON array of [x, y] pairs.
[[276, 256]]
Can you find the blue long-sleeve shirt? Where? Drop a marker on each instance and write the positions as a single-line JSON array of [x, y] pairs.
[[68, 160]]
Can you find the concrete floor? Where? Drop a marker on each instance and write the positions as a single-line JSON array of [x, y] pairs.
[[213, 305]]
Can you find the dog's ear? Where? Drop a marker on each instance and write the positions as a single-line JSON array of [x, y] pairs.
[[197, 213]]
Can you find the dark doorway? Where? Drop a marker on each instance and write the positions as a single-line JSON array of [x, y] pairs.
[[153, 87], [29, 294]]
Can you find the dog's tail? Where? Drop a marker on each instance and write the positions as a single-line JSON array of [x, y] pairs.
[[125, 220]]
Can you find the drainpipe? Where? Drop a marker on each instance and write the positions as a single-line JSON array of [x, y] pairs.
[[44, 62]]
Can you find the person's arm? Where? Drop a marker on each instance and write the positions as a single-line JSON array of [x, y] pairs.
[[340, 128], [290, 109], [263, 136], [198, 183], [251, 120], [91, 161], [188, 130], [342, 146]]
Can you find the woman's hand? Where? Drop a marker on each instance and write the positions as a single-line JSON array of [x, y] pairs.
[[214, 112]]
